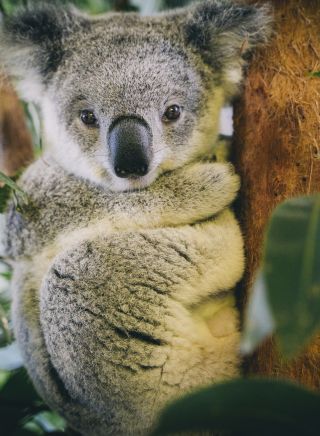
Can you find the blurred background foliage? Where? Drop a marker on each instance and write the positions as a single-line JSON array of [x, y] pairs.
[[285, 301], [98, 6]]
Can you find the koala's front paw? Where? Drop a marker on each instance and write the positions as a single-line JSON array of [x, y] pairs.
[[213, 176], [211, 186], [184, 196]]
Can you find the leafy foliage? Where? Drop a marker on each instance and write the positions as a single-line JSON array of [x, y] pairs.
[[245, 408], [291, 277], [292, 271], [5, 193], [93, 6], [174, 3], [315, 74], [21, 410], [9, 186], [285, 299], [98, 6]]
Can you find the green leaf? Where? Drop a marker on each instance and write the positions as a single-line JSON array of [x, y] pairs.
[[20, 196], [292, 271], [10, 418], [6, 275], [315, 74], [11, 183], [4, 325], [33, 427], [4, 377], [22, 412], [28, 431], [34, 125], [247, 408], [50, 421], [5, 194], [18, 392], [175, 3], [5, 304]]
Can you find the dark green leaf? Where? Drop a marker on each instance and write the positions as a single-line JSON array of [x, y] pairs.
[[10, 418], [19, 392], [6, 275], [175, 3], [20, 196], [4, 377], [5, 331], [5, 303], [246, 408], [315, 74], [50, 421], [5, 193], [292, 271], [32, 427], [11, 183]]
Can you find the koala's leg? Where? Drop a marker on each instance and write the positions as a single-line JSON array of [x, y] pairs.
[[122, 317], [28, 332]]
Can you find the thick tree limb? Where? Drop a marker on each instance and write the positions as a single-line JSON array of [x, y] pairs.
[[277, 149], [15, 142]]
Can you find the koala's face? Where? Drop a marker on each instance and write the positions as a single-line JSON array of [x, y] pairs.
[[125, 98], [128, 113]]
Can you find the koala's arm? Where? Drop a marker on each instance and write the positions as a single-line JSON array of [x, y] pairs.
[[184, 196], [60, 203]]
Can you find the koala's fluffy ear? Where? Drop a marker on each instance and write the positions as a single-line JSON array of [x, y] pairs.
[[32, 44], [224, 32]]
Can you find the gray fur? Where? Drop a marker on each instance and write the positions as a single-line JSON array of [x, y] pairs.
[[120, 64], [121, 290], [60, 202]]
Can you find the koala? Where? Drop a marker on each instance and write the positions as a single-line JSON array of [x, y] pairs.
[[127, 254]]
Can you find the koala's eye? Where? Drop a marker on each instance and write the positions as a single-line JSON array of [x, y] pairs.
[[88, 118], [172, 113]]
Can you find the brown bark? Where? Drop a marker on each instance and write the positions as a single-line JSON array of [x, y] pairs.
[[15, 142], [277, 149]]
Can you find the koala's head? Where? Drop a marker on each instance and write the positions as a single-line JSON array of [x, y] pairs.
[[125, 97]]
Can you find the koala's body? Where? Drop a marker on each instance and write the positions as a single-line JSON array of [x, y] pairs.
[[127, 254]]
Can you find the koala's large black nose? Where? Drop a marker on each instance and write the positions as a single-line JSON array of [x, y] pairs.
[[130, 142]]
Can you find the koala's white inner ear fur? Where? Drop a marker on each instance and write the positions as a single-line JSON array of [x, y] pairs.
[[224, 32], [32, 44]]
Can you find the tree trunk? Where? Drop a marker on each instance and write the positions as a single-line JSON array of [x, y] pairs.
[[15, 142], [277, 151]]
